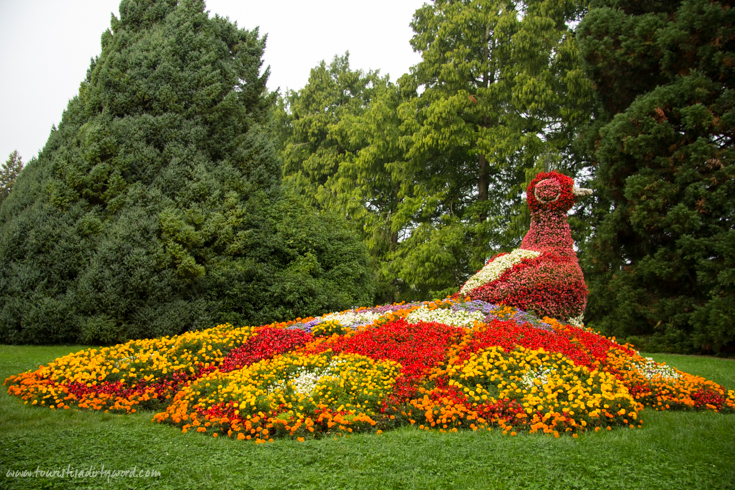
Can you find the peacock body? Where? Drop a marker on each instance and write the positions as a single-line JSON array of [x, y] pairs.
[[543, 275]]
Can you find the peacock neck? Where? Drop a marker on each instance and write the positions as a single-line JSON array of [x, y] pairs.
[[549, 232]]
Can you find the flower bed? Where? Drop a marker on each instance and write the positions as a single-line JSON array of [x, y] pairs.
[[445, 365]]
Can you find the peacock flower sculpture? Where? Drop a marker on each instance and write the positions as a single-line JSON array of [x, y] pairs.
[[458, 363], [543, 275]]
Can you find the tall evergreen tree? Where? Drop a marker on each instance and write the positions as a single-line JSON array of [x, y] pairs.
[[8, 173], [157, 205], [661, 267]]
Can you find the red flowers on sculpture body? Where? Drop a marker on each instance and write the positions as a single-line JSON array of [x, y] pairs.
[[551, 284]]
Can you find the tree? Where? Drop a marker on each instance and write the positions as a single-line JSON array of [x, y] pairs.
[[338, 143], [8, 173], [376, 189], [660, 266], [157, 205], [311, 148], [434, 167], [502, 81], [500, 87], [344, 150]]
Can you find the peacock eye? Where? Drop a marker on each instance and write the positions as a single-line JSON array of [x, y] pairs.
[[547, 190]]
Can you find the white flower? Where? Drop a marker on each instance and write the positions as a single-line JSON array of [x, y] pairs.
[[651, 369], [349, 318], [576, 321], [541, 374], [495, 269], [447, 316], [305, 380]]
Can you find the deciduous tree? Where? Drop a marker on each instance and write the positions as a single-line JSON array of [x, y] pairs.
[[502, 84]]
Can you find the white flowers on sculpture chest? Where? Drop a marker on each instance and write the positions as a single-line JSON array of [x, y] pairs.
[[495, 269]]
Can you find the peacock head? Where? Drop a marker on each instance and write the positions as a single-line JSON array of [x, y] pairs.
[[553, 191]]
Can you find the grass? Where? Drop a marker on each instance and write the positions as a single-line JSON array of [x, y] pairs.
[[674, 450]]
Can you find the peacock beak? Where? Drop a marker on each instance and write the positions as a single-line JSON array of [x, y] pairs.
[[579, 191]]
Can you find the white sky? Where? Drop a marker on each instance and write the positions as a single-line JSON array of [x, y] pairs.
[[46, 46]]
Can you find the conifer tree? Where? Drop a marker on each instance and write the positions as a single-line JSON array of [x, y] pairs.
[[662, 261], [8, 173], [157, 204]]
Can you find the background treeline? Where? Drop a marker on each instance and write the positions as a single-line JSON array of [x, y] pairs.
[[158, 203], [632, 98]]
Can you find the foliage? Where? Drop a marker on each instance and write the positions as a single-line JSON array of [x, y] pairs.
[[502, 86], [312, 148], [432, 169], [311, 264], [156, 207], [8, 173], [338, 140], [660, 266]]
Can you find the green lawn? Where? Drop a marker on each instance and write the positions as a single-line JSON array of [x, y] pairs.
[[673, 450]]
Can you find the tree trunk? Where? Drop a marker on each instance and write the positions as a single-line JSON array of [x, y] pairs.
[[483, 182]]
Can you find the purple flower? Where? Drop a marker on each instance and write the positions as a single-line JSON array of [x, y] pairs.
[[476, 305]]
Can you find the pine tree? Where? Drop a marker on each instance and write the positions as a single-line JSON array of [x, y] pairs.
[[8, 173], [661, 265], [157, 204]]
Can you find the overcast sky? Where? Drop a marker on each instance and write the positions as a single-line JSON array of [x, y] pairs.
[[46, 46]]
